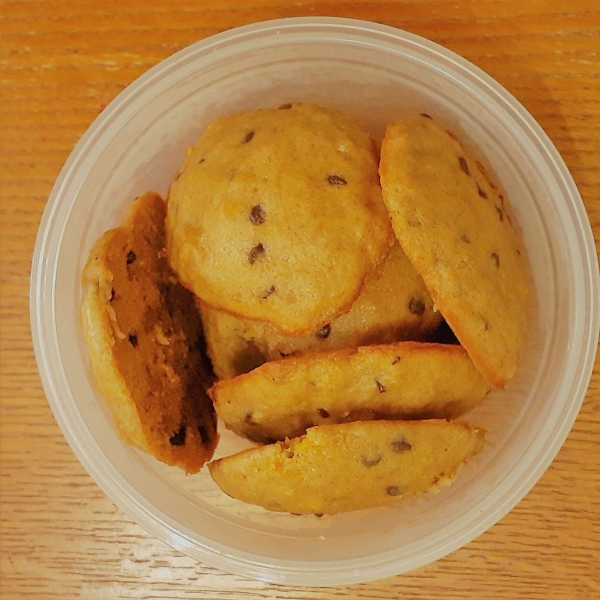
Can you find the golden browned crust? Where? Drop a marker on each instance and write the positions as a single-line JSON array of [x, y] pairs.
[[393, 306], [340, 468], [455, 228], [277, 216], [404, 380]]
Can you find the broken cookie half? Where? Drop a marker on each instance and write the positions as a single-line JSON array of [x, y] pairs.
[[144, 338]]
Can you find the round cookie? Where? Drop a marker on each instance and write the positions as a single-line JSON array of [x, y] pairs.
[[454, 227], [393, 306], [340, 468], [277, 216], [405, 380], [144, 339]]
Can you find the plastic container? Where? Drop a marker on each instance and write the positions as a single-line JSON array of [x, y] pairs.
[[375, 73]]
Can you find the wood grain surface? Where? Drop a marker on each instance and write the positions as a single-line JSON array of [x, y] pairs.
[[61, 62]]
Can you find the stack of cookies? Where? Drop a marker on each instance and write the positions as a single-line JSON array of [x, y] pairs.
[[321, 274]]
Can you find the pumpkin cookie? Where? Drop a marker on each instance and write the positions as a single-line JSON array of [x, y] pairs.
[[339, 468], [453, 225], [405, 380], [144, 338], [394, 305], [277, 216]]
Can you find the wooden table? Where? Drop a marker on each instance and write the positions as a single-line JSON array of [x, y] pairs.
[[60, 63]]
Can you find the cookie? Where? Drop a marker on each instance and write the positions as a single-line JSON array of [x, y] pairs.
[[404, 380], [340, 468], [454, 226], [144, 339], [394, 305], [277, 216]]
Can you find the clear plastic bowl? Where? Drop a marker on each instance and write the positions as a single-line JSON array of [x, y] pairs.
[[375, 73]]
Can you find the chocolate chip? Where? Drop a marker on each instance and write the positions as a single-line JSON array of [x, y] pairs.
[[112, 294], [481, 192], [415, 223], [380, 386], [248, 418], [400, 445], [178, 439], [131, 257], [463, 164], [393, 490], [336, 180], [285, 106], [248, 137], [323, 413], [371, 461], [268, 292], [201, 161], [204, 434], [496, 259], [258, 215], [396, 360], [426, 116], [465, 238], [500, 213], [416, 306], [324, 332], [256, 253], [319, 515], [133, 339]]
